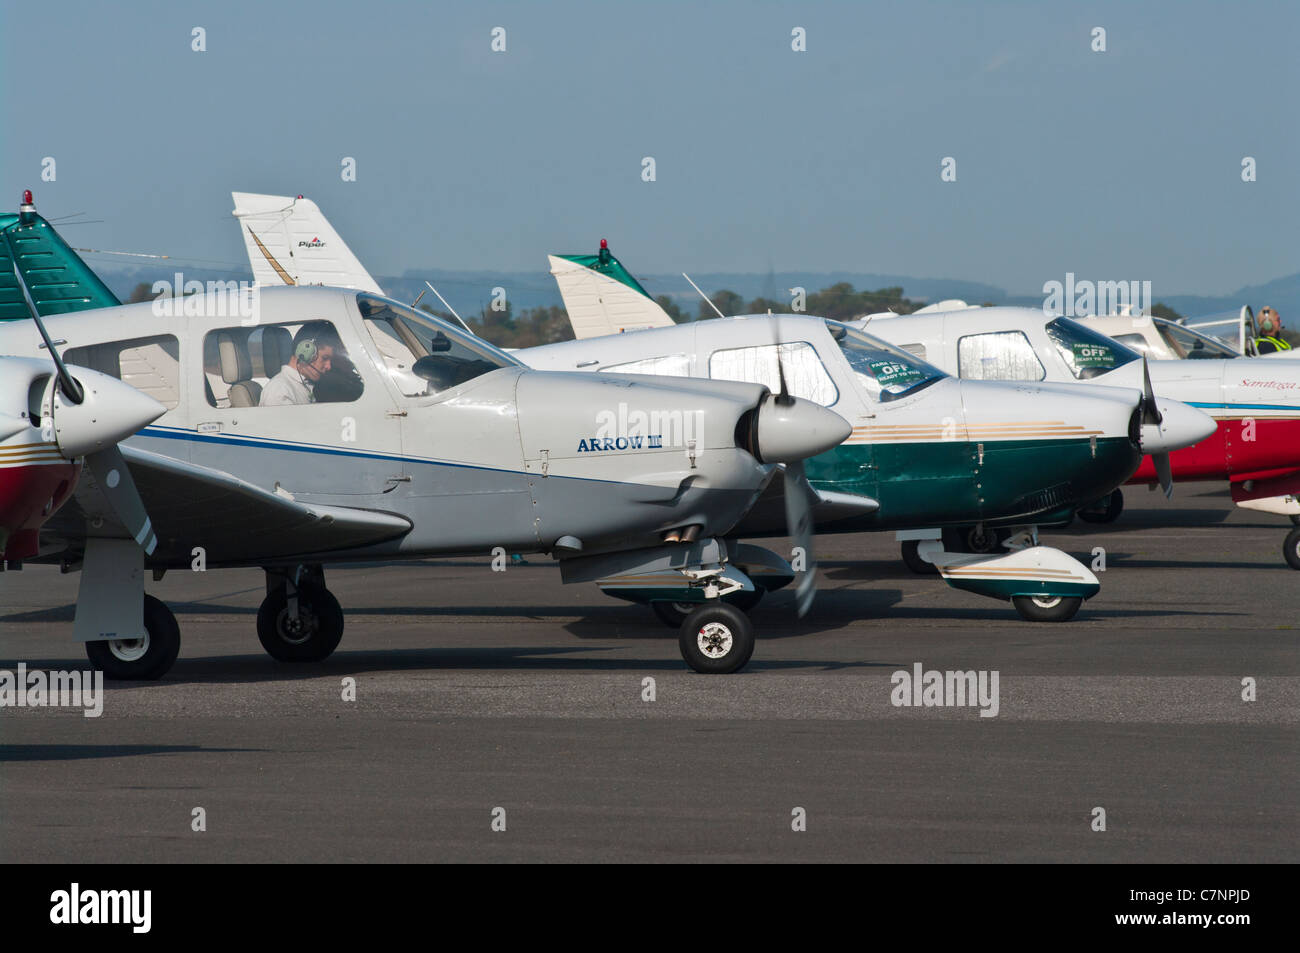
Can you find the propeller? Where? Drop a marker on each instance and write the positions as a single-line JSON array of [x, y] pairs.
[[800, 497], [1151, 415], [114, 479], [88, 421]]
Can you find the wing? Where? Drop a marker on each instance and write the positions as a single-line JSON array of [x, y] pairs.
[[236, 523]]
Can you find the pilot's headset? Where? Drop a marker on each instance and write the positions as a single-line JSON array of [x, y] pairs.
[[305, 350]]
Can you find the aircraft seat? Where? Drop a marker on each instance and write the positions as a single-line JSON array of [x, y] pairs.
[[237, 371], [277, 348]]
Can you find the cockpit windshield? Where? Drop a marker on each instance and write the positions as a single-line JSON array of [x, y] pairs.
[[424, 354], [887, 372], [1192, 345], [1086, 352]]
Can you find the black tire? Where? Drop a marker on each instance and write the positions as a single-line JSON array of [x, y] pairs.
[[726, 629], [1291, 548], [912, 559], [143, 659], [1047, 608], [969, 539], [673, 614], [322, 625], [1105, 510]]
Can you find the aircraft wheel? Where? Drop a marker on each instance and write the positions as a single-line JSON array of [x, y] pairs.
[[312, 636], [971, 539], [716, 639], [673, 614], [1047, 608], [912, 559], [144, 659], [1291, 548], [1105, 510]]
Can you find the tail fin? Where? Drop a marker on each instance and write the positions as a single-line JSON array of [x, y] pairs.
[[602, 297], [290, 242], [58, 280]]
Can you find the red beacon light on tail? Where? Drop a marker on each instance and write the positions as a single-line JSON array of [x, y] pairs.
[[27, 210]]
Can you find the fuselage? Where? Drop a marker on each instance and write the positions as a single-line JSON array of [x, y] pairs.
[[486, 453], [931, 449], [1255, 404]]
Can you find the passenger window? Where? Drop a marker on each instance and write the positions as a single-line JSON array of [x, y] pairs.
[[805, 374], [670, 365], [150, 365], [998, 356], [278, 365]]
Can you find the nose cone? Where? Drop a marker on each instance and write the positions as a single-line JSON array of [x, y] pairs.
[[110, 412], [795, 429], [1180, 426]]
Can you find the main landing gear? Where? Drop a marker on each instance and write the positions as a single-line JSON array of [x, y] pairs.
[[299, 620], [1105, 510]]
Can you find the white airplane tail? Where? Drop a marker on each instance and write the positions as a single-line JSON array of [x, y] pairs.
[[290, 242], [601, 297]]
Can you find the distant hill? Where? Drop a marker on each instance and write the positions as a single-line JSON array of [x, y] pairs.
[[469, 291]]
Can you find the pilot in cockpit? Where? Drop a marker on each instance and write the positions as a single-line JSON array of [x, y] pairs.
[[313, 355]]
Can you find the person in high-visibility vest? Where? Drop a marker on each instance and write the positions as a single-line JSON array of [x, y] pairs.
[[1270, 333]]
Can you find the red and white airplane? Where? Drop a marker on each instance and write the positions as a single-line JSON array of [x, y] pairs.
[[56, 419]]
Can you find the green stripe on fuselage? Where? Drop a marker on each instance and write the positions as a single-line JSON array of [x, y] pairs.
[[943, 482]]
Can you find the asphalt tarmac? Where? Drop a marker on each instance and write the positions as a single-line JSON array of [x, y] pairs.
[[506, 699]]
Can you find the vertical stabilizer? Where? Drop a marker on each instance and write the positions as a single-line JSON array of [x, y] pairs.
[[58, 280], [290, 242], [602, 297]]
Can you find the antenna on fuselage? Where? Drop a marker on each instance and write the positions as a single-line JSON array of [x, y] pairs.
[[449, 308], [703, 295]]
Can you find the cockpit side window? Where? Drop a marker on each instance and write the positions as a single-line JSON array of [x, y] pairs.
[[278, 365], [423, 354], [998, 356], [1192, 345], [1086, 352], [805, 375], [1136, 341]]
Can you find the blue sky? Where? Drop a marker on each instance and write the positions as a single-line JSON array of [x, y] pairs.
[[1117, 165]]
